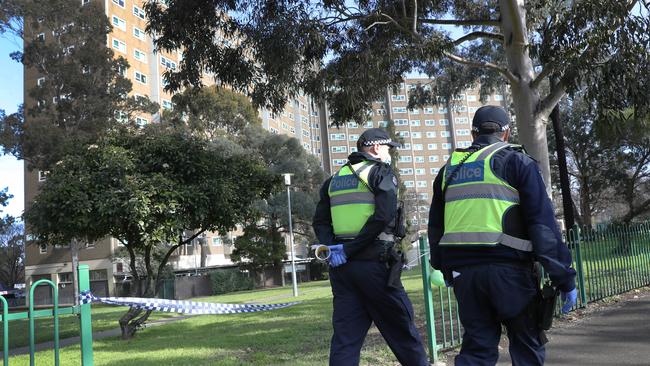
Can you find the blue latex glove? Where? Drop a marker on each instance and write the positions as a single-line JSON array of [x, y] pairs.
[[337, 255], [568, 300]]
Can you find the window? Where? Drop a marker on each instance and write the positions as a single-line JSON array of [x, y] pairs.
[[421, 184], [42, 175], [118, 23], [430, 122], [434, 171], [406, 146], [428, 110], [463, 132], [401, 122], [399, 109], [443, 122], [120, 116], [432, 146], [163, 81], [444, 134], [339, 162], [164, 61], [40, 82], [119, 45], [369, 124], [216, 241], [139, 12], [306, 146], [416, 135], [442, 110], [304, 119], [406, 171], [65, 278], [337, 137], [498, 97], [353, 149], [119, 2], [408, 184], [419, 171], [398, 98], [461, 109], [460, 97], [431, 134], [419, 159], [353, 125], [41, 37], [353, 137], [140, 77], [423, 196], [415, 111], [140, 56], [462, 120], [285, 125], [445, 157], [471, 98], [415, 122], [446, 146], [139, 33], [381, 112], [433, 158], [167, 104], [417, 147], [339, 149], [471, 109], [306, 133], [463, 144], [292, 130], [405, 159], [382, 124], [141, 121], [273, 130], [42, 248], [403, 133]]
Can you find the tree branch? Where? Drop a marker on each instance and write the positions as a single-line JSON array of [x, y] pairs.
[[540, 77], [547, 105], [415, 16], [461, 22], [488, 65], [479, 34]]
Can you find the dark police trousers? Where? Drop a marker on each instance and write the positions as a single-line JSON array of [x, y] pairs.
[[490, 295], [361, 296]]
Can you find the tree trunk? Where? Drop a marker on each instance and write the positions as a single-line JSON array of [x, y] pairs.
[[74, 254], [526, 99], [585, 202]]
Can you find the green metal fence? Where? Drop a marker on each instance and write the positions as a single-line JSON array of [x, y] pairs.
[[83, 311], [608, 260]]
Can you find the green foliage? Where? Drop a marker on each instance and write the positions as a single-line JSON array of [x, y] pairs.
[[12, 246], [230, 280], [83, 91]]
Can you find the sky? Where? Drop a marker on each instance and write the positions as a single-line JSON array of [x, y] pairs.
[[11, 95]]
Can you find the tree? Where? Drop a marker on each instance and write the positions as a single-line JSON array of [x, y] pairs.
[[82, 90], [151, 188], [12, 248], [628, 135], [590, 159], [347, 52]]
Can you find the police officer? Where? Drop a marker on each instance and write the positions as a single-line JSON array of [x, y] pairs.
[[356, 217], [490, 219]]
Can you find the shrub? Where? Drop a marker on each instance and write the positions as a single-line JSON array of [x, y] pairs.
[[229, 280]]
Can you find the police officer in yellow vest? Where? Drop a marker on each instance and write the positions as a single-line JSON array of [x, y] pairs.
[[490, 219], [356, 217]]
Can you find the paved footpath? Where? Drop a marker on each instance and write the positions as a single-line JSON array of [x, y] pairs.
[[617, 336]]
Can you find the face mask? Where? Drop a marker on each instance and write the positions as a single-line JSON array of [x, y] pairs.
[[386, 158]]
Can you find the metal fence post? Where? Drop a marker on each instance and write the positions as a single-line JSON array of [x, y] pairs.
[[5, 331], [428, 300], [579, 269], [85, 322]]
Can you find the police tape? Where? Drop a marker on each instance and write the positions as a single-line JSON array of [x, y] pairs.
[[181, 306]]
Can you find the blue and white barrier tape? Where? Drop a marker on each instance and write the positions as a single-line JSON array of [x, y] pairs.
[[180, 306]]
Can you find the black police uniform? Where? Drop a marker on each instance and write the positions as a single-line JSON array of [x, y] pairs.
[[361, 293], [495, 285]]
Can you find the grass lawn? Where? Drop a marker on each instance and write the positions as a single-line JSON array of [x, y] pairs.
[[297, 335]]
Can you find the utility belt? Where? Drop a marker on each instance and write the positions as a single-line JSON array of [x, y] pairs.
[[385, 250]]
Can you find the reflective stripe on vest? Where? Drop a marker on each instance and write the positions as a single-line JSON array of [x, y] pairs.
[[351, 202], [476, 201]]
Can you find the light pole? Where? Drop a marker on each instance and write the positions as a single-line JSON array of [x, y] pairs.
[[287, 182]]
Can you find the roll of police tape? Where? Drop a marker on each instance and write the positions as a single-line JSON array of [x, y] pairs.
[[322, 252], [181, 306], [437, 279]]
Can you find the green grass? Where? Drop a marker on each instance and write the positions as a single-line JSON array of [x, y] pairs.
[[297, 335]]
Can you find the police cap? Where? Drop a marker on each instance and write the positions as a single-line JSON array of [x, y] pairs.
[[490, 115], [375, 136]]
